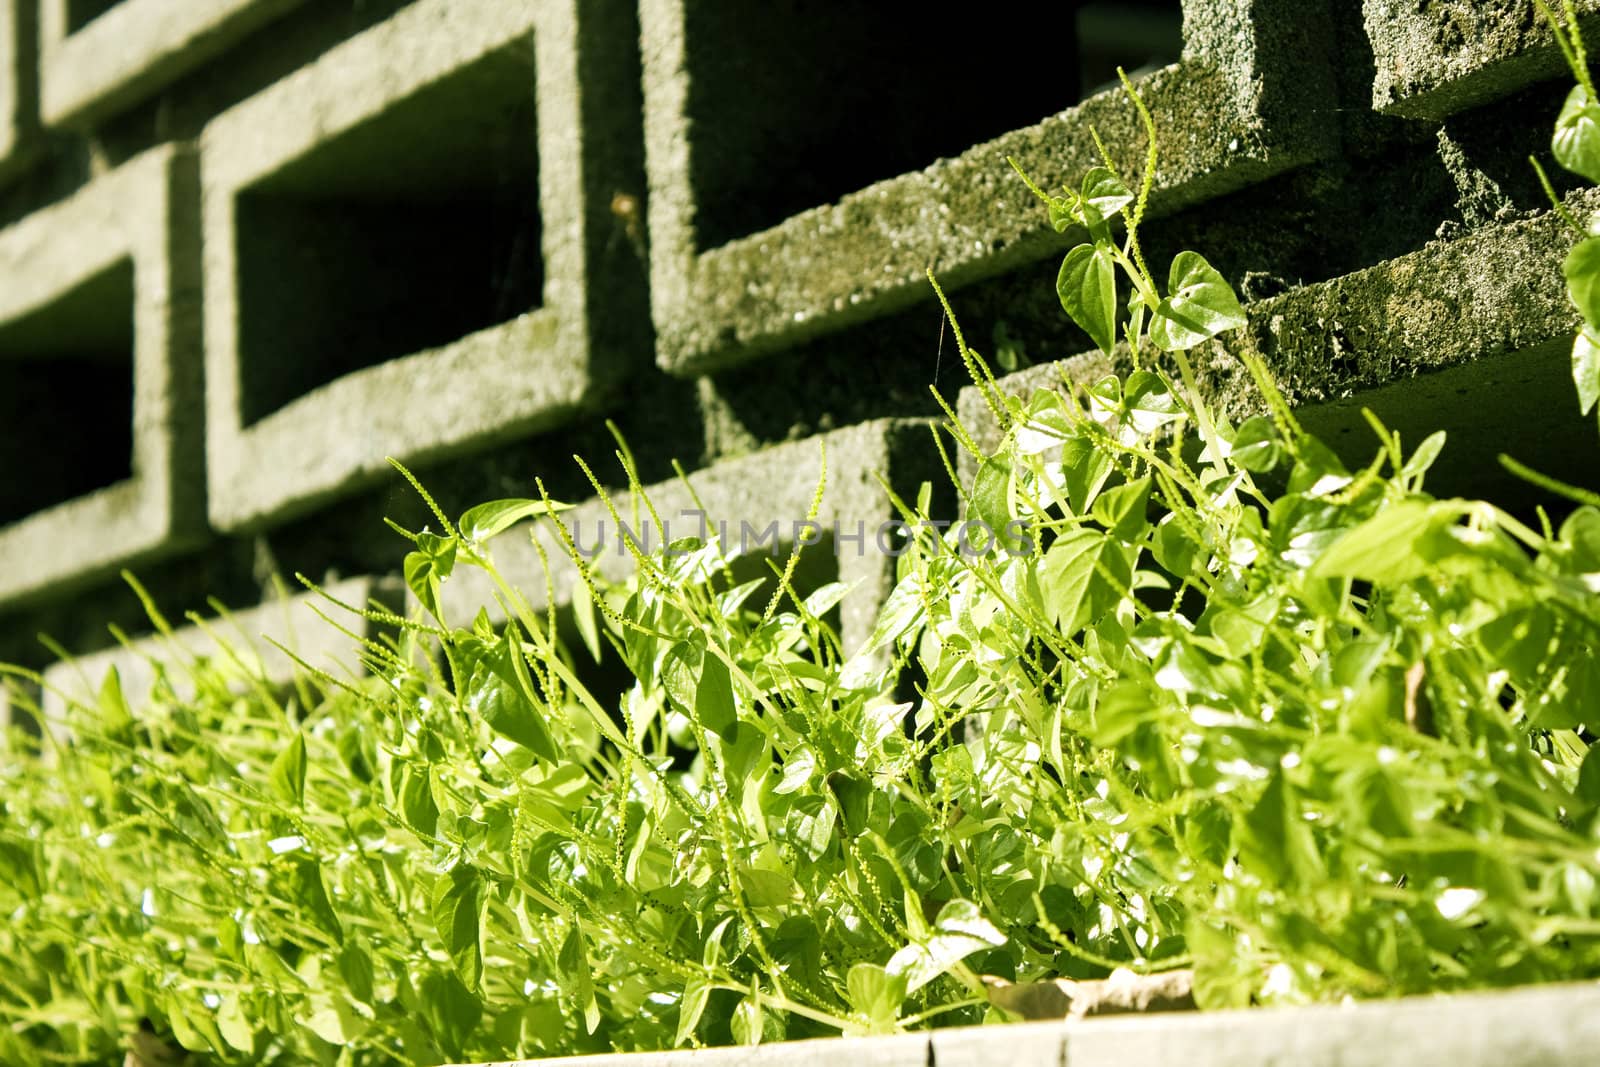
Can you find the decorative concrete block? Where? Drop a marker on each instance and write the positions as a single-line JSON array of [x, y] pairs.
[[1431, 60], [410, 249], [757, 504], [100, 380], [1550, 1027], [901, 1050], [252, 653], [764, 138], [101, 56]]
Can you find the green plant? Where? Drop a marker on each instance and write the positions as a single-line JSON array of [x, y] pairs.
[[1576, 146], [1177, 693]]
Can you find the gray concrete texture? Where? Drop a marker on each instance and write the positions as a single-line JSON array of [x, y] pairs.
[[247, 647], [410, 252], [92, 68], [1471, 336], [744, 497], [1438, 57], [1553, 1026], [100, 380], [730, 282]]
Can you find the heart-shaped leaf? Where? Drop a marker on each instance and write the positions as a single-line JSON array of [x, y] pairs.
[[1200, 305], [1087, 286]]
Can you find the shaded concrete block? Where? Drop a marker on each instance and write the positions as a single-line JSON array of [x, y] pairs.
[[410, 249], [1550, 1027], [764, 138], [1431, 60], [18, 84], [101, 56], [100, 380], [1471, 336], [757, 504], [243, 644], [1019, 1045]]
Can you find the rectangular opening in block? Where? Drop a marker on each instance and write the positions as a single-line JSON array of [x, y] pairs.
[[66, 396], [409, 231], [82, 12], [793, 103]]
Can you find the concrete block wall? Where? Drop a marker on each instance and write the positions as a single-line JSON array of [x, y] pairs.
[[250, 249]]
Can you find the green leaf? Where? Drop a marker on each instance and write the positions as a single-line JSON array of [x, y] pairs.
[[877, 994], [1200, 305], [115, 719], [959, 931], [1582, 270], [481, 523], [457, 915], [1105, 191], [583, 616], [578, 975], [233, 1022], [1586, 367], [416, 799], [288, 773], [497, 694], [1395, 545], [423, 581], [1148, 404], [1084, 575], [1588, 789], [307, 890], [1423, 458], [1275, 841], [1085, 466], [1576, 142], [1122, 510], [451, 1011], [699, 683], [355, 967], [1256, 445], [690, 1008], [1087, 286], [990, 492]]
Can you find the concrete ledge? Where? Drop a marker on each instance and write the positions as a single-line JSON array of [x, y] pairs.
[[1434, 59], [407, 249], [1232, 111], [771, 487], [100, 380], [250, 635], [1552, 1026], [1471, 336], [124, 55]]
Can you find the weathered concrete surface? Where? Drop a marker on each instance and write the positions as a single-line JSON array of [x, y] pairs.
[[1434, 58], [56, 309], [908, 1051], [1232, 112], [773, 486], [244, 645], [1471, 336], [1553, 1026], [133, 49], [413, 112]]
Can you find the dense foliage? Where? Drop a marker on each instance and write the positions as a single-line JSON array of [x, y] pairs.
[[1179, 694]]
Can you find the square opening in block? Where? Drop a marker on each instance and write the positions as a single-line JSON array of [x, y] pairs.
[[794, 103], [409, 231], [82, 12], [66, 396]]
